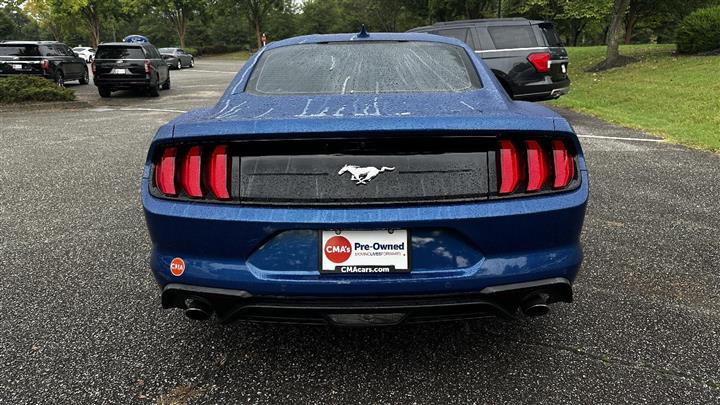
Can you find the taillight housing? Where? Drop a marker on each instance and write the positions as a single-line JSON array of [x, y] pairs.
[[148, 66], [540, 61], [93, 67], [45, 64], [531, 166], [193, 172]]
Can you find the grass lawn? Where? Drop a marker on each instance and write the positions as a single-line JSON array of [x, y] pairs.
[[241, 55], [676, 97]]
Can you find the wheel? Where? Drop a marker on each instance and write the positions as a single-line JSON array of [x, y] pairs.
[[59, 79], [154, 89], [105, 92], [179, 65], [192, 63], [85, 79], [166, 85]]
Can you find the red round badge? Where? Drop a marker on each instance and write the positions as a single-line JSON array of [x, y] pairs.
[[177, 267], [337, 249]]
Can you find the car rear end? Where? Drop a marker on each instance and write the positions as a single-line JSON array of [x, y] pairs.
[[23, 59], [528, 58], [121, 66], [355, 207]]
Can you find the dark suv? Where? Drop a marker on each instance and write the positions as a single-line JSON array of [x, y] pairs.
[[122, 65], [52, 60], [526, 56]]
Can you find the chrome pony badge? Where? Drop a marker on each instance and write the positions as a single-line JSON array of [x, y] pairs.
[[362, 175]]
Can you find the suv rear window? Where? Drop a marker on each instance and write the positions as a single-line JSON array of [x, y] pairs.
[[120, 52], [513, 36], [369, 67], [19, 50]]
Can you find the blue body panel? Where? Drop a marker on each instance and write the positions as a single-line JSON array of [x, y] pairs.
[[461, 247]]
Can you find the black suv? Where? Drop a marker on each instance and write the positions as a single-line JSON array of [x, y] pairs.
[[526, 56], [122, 65], [52, 60]]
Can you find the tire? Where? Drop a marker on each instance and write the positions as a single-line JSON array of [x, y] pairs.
[[192, 63], [166, 85], [59, 78], [154, 89], [85, 79], [105, 92], [179, 64]]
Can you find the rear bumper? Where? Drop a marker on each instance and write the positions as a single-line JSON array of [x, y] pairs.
[[122, 83], [497, 301], [542, 91]]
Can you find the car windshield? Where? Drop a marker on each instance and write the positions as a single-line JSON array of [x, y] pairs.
[[369, 67], [167, 50], [120, 52], [19, 50]]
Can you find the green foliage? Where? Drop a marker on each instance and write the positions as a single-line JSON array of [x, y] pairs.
[[17, 89], [7, 27], [700, 31]]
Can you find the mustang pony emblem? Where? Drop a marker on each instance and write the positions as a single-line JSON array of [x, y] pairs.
[[361, 175]]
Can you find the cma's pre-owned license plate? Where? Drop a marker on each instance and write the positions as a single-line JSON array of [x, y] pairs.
[[364, 252]]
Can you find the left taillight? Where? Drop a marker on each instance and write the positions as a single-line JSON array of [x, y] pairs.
[[45, 64], [540, 61], [93, 67], [193, 172], [148, 66]]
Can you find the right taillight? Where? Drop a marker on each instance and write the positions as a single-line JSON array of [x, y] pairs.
[[534, 166], [540, 61]]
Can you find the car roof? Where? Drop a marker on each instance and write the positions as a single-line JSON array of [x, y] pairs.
[[372, 37], [126, 44], [481, 21], [29, 42]]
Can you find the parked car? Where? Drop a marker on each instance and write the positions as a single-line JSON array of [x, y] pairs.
[[526, 56], [85, 52], [177, 58], [365, 179], [52, 60], [122, 65]]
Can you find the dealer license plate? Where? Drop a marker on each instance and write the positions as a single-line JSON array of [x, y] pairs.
[[364, 252], [17, 66], [119, 72]]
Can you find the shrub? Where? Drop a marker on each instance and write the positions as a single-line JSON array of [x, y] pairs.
[[216, 49], [699, 31], [16, 89], [192, 51]]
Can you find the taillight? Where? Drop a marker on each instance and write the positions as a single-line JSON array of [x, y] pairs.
[[93, 67], [165, 172], [537, 166], [198, 171], [509, 167], [45, 64], [563, 163], [191, 172], [218, 171], [541, 61], [534, 166], [148, 67]]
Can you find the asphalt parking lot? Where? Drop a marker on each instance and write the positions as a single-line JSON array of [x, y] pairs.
[[81, 319]]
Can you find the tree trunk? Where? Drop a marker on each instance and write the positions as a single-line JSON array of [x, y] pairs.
[[629, 26], [613, 35], [93, 21], [258, 33]]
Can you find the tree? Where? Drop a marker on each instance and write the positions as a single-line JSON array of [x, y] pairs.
[[91, 12], [7, 27], [613, 58], [257, 11], [176, 12]]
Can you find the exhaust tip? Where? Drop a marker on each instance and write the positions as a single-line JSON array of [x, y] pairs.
[[197, 309], [535, 305]]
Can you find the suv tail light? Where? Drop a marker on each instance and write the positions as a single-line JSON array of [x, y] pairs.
[[148, 66], [535, 167], [541, 61], [93, 67], [200, 172], [44, 64]]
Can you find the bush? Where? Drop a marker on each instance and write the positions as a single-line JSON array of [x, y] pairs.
[[699, 31], [16, 89], [192, 51]]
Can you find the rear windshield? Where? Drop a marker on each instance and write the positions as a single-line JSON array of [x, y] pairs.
[[120, 52], [19, 50], [369, 67], [553, 39], [513, 36]]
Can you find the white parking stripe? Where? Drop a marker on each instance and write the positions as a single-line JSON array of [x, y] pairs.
[[208, 71], [621, 138], [106, 109]]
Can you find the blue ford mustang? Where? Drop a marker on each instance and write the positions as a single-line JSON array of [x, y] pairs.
[[365, 179]]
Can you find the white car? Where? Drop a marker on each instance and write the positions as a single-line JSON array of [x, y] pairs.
[[85, 52]]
